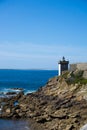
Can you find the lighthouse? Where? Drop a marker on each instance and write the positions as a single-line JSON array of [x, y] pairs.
[[63, 65]]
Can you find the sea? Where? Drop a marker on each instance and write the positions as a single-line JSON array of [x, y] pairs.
[[30, 81]]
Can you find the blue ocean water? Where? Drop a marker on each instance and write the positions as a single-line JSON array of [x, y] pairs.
[[14, 124], [29, 80]]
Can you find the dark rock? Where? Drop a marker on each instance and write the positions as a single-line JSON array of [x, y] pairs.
[[11, 93]]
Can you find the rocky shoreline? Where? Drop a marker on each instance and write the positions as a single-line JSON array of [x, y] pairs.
[[60, 105]]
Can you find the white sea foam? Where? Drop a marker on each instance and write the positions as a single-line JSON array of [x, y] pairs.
[[29, 91], [26, 127], [4, 91]]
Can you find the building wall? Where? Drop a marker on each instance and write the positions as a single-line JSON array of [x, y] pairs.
[[73, 67], [64, 67], [80, 66], [59, 69]]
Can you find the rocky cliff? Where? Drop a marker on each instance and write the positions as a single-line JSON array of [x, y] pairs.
[[60, 105]]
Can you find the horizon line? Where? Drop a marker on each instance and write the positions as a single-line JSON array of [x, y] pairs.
[[25, 69]]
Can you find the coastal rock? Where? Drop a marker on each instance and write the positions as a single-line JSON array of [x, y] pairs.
[[84, 127], [8, 110], [85, 74], [60, 105], [11, 93]]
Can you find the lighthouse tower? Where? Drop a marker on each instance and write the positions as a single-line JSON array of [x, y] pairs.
[[63, 65]]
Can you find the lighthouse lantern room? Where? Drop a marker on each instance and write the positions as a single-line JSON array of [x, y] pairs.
[[63, 65]]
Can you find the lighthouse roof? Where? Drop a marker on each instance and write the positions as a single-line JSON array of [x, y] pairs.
[[63, 61]]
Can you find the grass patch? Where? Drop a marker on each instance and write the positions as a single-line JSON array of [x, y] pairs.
[[64, 75], [75, 77], [80, 80]]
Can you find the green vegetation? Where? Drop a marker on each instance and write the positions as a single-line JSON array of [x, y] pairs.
[[74, 77], [65, 74]]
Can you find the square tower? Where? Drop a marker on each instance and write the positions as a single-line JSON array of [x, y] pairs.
[[63, 65]]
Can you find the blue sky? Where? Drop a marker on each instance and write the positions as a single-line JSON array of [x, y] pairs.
[[35, 34]]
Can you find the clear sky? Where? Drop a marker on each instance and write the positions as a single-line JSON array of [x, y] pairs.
[[35, 34]]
